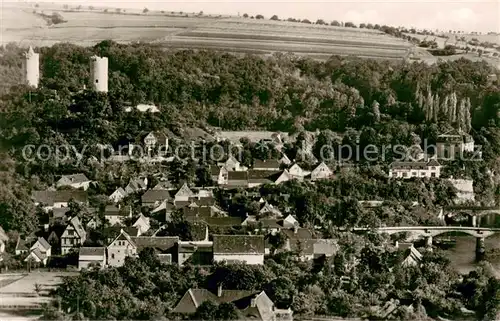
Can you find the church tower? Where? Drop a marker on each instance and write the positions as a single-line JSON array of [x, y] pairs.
[[99, 73], [31, 68]]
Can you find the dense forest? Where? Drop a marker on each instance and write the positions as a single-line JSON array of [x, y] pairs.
[[344, 100]]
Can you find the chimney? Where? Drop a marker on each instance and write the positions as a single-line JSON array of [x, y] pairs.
[[219, 290]]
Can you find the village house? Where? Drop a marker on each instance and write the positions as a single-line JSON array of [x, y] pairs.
[[163, 246], [266, 165], [262, 177], [322, 171], [233, 165], [254, 305], [56, 199], [93, 223], [117, 214], [112, 232], [153, 198], [124, 246], [406, 170], [412, 256], [74, 236], [21, 246], [156, 139], [42, 245], [184, 194], [164, 185], [296, 172], [268, 210], [91, 256], [136, 184], [219, 174], [118, 195], [75, 180], [36, 257], [465, 190], [453, 144], [248, 249], [142, 224], [120, 248]]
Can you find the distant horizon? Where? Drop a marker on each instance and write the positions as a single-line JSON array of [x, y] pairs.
[[468, 16]]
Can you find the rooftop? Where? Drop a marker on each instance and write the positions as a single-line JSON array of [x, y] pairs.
[[239, 244]]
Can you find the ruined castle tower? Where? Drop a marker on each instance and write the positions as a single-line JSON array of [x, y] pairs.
[[31, 67], [99, 73]]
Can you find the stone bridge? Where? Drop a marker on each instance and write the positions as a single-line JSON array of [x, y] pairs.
[[428, 232], [472, 211]]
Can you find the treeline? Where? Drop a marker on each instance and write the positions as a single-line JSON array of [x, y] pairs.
[[358, 281]]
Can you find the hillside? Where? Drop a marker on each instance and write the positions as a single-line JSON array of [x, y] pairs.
[[88, 26]]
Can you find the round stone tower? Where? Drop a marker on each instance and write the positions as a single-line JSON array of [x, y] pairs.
[[31, 68], [99, 73]]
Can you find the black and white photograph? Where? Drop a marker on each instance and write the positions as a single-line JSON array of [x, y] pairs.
[[250, 160]]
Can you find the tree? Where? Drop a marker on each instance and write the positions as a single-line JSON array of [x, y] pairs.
[[146, 10], [259, 16], [335, 23], [274, 17], [321, 22], [245, 15], [118, 10]]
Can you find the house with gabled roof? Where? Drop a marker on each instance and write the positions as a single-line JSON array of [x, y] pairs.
[[232, 164], [36, 257], [322, 171], [75, 180], [44, 246], [266, 165], [142, 224], [251, 305], [136, 184], [283, 177], [115, 215], [164, 185], [88, 256], [118, 195], [120, 248], [184, 194], [124, 246], [268, 210], [296, 172], [50, 199], [412, 256], [73, 236], [219, 174], [284, 160], [406, 170], [22, 247], [248, 249], [154, 197], [113, 231], [156, 139], [261, 177]]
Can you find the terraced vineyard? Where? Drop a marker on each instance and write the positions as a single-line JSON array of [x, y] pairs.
[[232, 34]]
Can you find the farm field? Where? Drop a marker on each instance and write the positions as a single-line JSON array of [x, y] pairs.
[[232, 34]]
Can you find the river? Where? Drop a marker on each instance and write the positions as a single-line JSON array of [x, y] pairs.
[[463, 255]]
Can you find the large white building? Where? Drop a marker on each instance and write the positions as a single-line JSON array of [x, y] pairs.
[[431, 169], [31, 68], [99, 73]]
